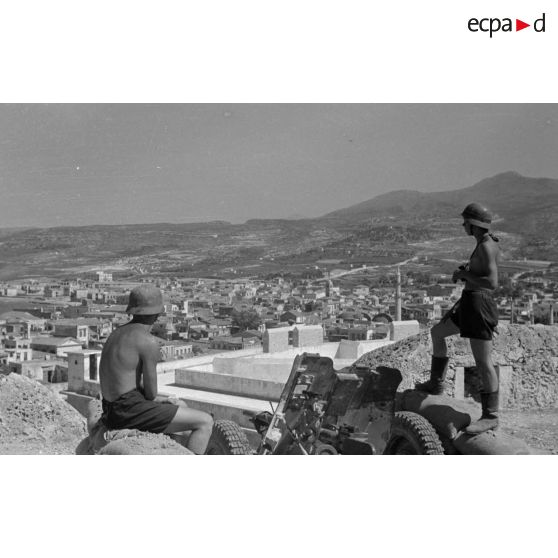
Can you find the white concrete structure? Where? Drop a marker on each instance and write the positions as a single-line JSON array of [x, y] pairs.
[[276, 339], [263, 375], [403, 329], [83, 371], [308, 335]]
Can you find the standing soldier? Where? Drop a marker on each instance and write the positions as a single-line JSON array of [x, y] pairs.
[[475, 317]]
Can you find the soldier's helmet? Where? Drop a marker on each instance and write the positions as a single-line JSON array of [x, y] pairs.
[[145, 300], [478, 215]]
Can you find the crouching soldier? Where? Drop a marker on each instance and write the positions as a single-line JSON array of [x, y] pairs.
[[475, 317], [128, 378]]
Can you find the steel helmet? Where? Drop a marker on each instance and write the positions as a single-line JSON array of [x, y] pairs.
[[145, 300], [478, 215]]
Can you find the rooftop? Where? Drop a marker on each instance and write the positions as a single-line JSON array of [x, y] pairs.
[[55, 341]]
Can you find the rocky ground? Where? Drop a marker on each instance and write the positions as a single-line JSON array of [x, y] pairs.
[[531, 352], [538, 428], [35, 420]]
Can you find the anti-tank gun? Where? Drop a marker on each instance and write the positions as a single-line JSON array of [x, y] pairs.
[[324, 411]]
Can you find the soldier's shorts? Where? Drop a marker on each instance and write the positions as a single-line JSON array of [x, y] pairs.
[[476, 315], [133, 410]]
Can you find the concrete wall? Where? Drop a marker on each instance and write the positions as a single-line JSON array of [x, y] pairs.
[[328, 349], [304, 336], [275, 369], [276, 340], [263, 376], [402, 329], [277, 366], [355, 349], [33, 371], [79, 372], [205, 360], [226, 383], [76, 371]]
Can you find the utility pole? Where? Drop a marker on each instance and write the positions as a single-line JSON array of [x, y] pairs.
[[398, 296]]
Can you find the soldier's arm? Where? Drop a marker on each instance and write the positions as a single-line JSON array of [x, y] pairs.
[[149, 356]]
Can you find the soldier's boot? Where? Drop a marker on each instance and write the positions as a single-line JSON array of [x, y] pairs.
[[436, 385], [489, 418]]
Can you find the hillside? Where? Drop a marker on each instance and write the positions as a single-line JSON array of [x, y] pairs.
[[385, 230]]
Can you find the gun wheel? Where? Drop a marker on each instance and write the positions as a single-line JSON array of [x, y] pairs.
[[325, 449], [228, 438], [412, 434]]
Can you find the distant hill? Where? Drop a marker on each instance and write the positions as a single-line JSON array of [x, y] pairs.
[[521, 203]]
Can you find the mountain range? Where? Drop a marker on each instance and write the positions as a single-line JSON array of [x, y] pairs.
[[519, 203]]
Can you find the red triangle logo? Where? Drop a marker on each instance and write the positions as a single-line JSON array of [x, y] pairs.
[[519, 25]]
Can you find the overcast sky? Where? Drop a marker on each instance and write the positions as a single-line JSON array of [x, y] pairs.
[[111, 164]]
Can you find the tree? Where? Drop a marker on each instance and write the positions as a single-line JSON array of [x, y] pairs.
[[245, 319]]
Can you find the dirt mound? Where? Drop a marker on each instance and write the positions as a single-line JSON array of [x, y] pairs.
[[123, 442], [131, 442], [531, 351], [35, 420], [144, 443]]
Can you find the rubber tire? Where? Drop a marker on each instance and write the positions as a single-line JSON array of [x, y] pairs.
[[412, 434], [325, 449], [228, 438]]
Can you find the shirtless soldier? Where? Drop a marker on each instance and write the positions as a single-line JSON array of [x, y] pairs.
[[128, 378], [475, 316]]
